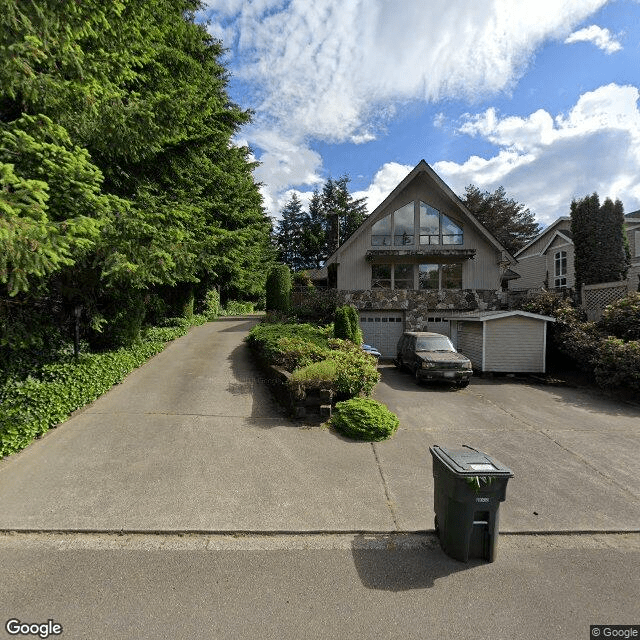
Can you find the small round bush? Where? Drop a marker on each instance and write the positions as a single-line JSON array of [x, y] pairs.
[[364, 419]]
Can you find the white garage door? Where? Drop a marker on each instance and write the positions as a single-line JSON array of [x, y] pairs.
[[382, 329]]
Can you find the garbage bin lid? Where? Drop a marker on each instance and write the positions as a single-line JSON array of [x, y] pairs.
[[470, 462]]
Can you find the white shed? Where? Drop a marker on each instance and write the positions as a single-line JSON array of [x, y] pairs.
[[502, 341]]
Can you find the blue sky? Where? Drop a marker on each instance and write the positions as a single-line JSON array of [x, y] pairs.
[[540, 96]]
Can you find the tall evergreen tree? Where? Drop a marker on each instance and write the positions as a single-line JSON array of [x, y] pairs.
[[600, 248], [291, 232], [510, 222], [343, 213], [129, 180], [315, 242]]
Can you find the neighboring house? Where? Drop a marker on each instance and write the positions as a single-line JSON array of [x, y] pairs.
[[420, 255], [632, 223], [548, 260]]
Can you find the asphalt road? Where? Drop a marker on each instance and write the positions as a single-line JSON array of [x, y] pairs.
[[292, 587]]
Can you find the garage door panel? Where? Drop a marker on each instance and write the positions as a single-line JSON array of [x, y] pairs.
[[382, 329]]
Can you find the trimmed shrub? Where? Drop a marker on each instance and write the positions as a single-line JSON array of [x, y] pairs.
[[297, 352], [622, 318], [356, 372], [342, 324], [364, 419], [212, 307], [279, 289], [354, 322], [237, 308], [289, 345], [317, 374]]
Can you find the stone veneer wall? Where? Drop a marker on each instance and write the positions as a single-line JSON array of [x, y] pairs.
[[418, 305]]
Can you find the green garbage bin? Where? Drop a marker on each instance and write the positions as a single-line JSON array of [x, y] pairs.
[[468, 489]]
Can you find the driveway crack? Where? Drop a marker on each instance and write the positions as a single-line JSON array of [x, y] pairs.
[[385, 484]]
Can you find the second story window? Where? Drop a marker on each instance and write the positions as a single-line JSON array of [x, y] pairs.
[[560, 269], [381, 233], [437, 228], [403, 226], [402, 229]]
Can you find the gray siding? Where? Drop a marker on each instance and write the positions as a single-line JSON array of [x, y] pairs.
[[532, 270], [559, 244], [514, 344], [483, 272], [470, 342], [540, 243]]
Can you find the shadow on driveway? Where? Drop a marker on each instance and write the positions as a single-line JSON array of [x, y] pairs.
[[402, 380], [249, 380]]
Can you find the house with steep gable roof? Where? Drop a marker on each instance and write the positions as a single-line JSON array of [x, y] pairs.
[[418, 256]]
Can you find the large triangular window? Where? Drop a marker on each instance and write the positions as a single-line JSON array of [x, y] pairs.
[[437, 228]]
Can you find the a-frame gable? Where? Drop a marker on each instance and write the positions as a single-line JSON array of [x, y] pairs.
[[551, 231], [382, 210]]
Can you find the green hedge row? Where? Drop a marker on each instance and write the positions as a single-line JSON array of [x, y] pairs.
[[31, 406]]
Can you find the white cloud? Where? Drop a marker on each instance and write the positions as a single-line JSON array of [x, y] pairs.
[[545, 162], [384, 182], [600, 37], [326, 67], [336, 70]]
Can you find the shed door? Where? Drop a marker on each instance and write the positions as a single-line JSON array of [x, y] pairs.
[[382, 329]]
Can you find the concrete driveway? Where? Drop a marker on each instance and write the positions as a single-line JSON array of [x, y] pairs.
[[192, 441], [574, 453], [153, 513]]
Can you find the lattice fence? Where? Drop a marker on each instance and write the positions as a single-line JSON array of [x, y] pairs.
[[595, 297]]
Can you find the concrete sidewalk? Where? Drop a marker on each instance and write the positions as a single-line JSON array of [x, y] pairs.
[[192, 441]]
